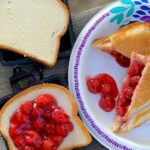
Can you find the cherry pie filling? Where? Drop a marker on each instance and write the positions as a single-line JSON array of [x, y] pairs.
[[128, 86], [120, 59], [39, 124], [105, 85]]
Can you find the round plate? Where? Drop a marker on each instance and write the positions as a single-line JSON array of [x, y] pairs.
[[87, 61]]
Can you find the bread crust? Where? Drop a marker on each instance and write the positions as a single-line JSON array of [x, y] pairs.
[[46, 63], [73, 115], [133, 37]]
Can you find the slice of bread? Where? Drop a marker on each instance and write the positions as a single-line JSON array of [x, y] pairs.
[[33, 28], [134, 37], [77, 138], [139, 108]]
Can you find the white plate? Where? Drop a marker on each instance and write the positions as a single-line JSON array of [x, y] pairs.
[[87, 61]]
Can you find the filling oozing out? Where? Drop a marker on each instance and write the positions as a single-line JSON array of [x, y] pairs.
[[128, 86], [120, 59], [39, 124], [105, 85]]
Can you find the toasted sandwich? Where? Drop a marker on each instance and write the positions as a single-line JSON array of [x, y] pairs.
[[133, 103], [134, 37]]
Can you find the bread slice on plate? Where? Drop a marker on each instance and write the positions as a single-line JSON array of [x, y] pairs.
[[33, 28], [134, 37], [133, 105], [77, 138]]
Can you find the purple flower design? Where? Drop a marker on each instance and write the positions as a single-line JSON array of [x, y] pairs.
[[143, 13], [145, 18]]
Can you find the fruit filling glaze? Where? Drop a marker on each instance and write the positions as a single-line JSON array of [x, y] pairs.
[[105, 85], [120, 59], [39, 124], [128, 86]]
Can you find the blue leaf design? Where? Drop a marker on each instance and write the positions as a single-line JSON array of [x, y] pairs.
[[113, 19], [126, 2], [145, 1], [136, 16], [117, 18], [140, 12], [118, 9], [120, 18], [130, 12], [145, 7], [149, 12], [137, 3]]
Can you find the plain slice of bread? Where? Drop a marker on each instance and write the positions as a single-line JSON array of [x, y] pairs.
[[134, 37], [33, 28], [77, 138]]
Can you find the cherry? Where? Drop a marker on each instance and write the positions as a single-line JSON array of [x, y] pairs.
[[48, 112], [94, 85], [108, 84], [38, 123], [134, 81], [121, 111], [20, 118], [125, 83], [37, 112], [28, 148], [64, 129], [26, 107], [121, 60], [57, 139], [122, 101], [19, 141], [107, 103], [48, 145], [45, 100], [55, 147], [59, 116], [33, 138], [128, 92], [136, 68], [106, 89], [50, 128], [12, 129]]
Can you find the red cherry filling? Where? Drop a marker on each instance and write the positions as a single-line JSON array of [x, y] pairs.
[[120, 59], [106, 86], [107, 103], [39, 124], [94, 85], [128, 86]]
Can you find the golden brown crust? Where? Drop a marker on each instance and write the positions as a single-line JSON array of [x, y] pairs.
[[103, 43], [48, 64], [130, 26], [73, 116], [134, 37]]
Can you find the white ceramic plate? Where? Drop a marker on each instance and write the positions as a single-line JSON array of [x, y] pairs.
[[85, 61]]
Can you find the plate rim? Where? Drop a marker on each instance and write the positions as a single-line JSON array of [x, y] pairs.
[[71, 73]]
